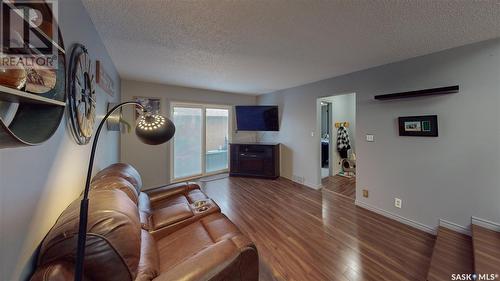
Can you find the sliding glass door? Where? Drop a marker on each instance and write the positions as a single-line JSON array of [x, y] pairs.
[[216, 139], [187, 141], [201, 140]]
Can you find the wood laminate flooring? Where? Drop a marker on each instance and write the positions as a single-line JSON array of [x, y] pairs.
[[304, 234], [339, 184], [486, 250], [452, 254]]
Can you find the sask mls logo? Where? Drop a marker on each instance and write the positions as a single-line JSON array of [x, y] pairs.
[[29, 34], [474, 277]]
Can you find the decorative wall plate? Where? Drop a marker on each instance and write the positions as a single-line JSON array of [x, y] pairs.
[[82, 96]]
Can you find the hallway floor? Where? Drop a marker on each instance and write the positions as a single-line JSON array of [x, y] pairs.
[[340, 185]]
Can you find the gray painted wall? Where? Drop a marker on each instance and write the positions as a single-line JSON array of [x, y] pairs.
[[37, 183], [451, 177], [153, 161]]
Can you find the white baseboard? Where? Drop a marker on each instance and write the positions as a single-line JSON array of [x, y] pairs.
[[313, 186], [395, 217], [455, 227], [486, 223], [306, 183]]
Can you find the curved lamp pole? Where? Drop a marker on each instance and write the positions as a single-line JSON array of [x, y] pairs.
[[151, 129]]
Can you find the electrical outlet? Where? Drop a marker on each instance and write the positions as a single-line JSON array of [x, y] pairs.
[[365, 193], [370, 138], [398, 203]]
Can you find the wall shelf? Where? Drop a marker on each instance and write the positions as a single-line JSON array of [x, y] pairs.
[[13, 95], [419, 93], [31, 119]]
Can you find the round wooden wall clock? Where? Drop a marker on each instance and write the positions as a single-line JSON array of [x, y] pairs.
[[82, 96]]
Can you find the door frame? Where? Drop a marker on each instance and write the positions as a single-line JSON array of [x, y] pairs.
[[203, 107], [333, 142]]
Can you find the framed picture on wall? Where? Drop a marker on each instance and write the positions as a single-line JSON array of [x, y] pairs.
[[152, 105], [418, 126], [104, 80]]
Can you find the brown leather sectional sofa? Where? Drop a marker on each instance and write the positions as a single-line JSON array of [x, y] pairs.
[[170, 233]]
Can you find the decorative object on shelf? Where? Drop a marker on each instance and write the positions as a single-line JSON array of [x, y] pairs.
[[104, 80], [40, 81], [418, 126], [82, 96], [12, 77], [151, 129], [420, 93], [27, 118], [152, 105]]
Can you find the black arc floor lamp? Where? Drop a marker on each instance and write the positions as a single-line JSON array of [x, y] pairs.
[[151, 129]]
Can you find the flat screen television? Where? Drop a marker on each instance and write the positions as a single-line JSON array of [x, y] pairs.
[[257, 118]]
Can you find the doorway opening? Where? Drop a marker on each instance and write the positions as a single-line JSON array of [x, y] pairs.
[[337, 123]]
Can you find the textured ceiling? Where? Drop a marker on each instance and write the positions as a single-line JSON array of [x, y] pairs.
[[257, 46]]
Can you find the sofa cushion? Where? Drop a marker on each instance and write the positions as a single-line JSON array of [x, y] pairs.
[[186, 242], [221, 261], [126, 171], [115, 182], [172, 200], [113, 237], [170, 215]]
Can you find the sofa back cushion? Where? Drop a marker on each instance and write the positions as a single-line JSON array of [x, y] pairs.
[[113, 246], [115, 182], [122, 170]]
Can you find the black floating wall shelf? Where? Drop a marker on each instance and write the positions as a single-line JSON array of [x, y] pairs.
[[419, 93]]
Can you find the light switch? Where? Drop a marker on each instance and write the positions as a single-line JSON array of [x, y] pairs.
[[312, 134], [370, 138]]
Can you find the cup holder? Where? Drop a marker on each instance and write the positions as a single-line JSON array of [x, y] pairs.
[[202, 209], [200, 203]]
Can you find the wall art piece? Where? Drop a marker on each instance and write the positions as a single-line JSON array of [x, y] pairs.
[[104, 80], [82, 96], [152, 105], [418, 126]]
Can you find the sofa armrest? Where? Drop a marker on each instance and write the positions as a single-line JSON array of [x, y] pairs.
[[170, 215], [223, 259], [163, 192]]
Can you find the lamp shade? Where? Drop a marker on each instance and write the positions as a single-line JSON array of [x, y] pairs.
[[154, 129]]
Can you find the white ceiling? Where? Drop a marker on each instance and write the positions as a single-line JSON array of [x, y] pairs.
[[257, 46]]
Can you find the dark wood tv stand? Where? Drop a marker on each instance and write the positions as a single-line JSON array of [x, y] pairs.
[[255, 160]]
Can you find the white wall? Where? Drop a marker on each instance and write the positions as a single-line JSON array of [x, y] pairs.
[[153, 161], [453, 176], [37, 183]]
